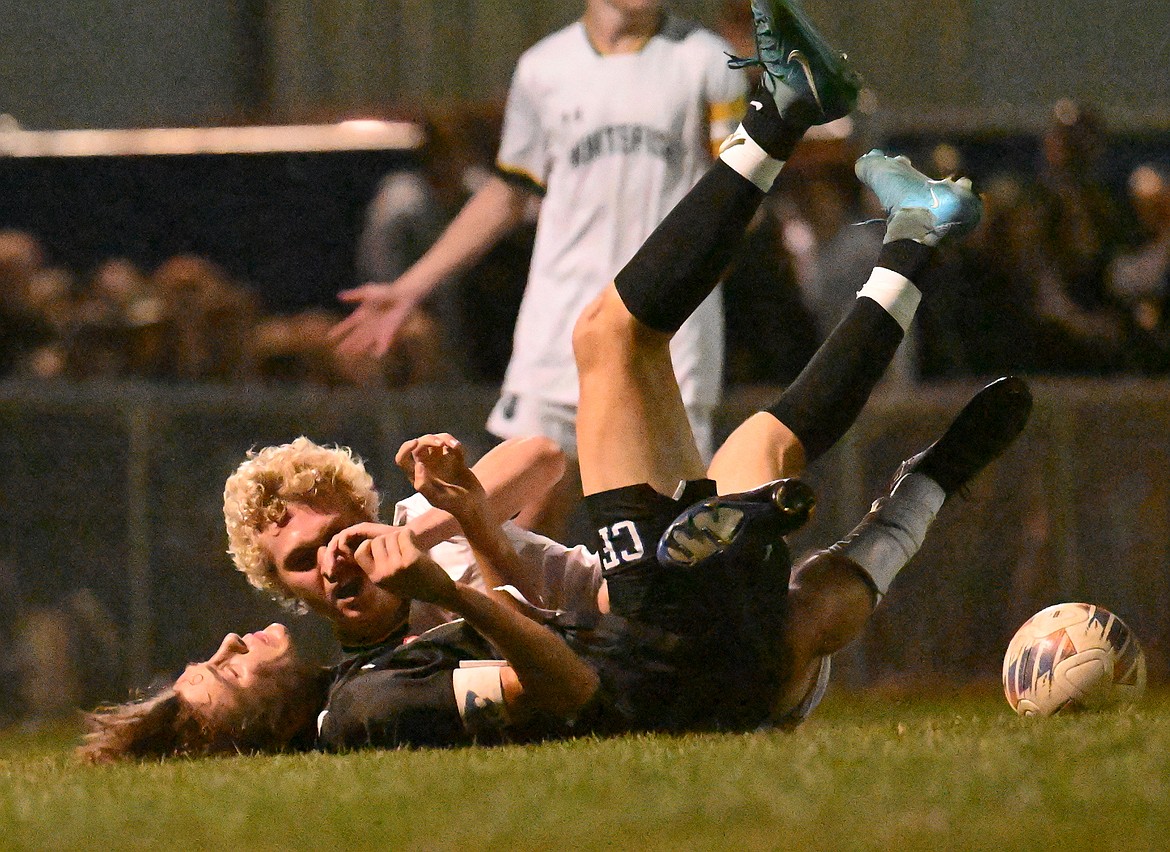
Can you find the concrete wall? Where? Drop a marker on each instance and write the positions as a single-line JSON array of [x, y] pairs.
[[952, 64], [120, 63]]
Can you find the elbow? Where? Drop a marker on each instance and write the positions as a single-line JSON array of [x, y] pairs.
[[541, 457], [559, 697], [568, 701]]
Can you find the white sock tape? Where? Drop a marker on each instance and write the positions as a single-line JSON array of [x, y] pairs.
[[749, 160], [896, 293]]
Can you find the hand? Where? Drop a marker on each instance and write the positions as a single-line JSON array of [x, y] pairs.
[[344, 545], [394, 562], [378, 318], [437, 469]]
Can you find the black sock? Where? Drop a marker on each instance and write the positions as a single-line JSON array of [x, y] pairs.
[[776, 134], [825, 399], [905, 257], [682, 260]]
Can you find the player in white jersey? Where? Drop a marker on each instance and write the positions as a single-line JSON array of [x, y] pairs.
[[613, 142], [609, 121]]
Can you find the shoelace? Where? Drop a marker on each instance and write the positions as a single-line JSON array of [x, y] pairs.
[[737, 62]]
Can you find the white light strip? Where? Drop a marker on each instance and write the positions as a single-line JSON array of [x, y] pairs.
[[364, 135]]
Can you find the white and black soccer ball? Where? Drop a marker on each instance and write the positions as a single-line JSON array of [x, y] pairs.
[[1072, 656]]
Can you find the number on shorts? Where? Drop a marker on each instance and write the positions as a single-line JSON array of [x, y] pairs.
[[623, 534]]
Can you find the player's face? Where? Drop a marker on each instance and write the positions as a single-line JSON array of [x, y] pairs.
[[334, 587], [632, 7], [238, 668]]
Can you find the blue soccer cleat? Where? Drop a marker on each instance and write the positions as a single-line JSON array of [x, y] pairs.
[[919, 208], [806, 77]]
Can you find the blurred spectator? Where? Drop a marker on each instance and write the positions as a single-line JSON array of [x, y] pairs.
[[1002, 306], [298, 349], [769, 335], [1081, 227], [834, 255], [22, 329], [210, 320], [1140, 278], [980, 318], [115, 326], [734, 24], [472, 315], [411, 207]]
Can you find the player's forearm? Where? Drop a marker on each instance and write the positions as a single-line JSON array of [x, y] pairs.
[[499, 564], [485, 219], [554, 679], [514, 474], [518, 473]]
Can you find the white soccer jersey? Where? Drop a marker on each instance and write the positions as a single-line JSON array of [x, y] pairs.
[[569, 577], [614, 141]]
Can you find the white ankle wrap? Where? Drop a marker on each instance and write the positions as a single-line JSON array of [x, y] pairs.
[[896, 293], [749, 160]]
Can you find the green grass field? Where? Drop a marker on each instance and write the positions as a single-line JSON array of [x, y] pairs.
[[866, 772]]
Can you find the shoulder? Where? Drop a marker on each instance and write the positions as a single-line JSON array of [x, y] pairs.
[[552, 48]]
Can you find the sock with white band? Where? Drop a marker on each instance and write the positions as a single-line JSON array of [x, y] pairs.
[[749, 160], [894, 292], [893, 532]]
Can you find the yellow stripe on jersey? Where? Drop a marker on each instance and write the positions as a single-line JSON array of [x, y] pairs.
[[721, 120], [727, 111], [520, 174]]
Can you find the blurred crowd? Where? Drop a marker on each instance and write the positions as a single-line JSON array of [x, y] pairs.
[[185, 320], [1063, 276]]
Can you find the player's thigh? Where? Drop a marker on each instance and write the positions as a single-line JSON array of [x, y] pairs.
[[632, 426], [760, 450]]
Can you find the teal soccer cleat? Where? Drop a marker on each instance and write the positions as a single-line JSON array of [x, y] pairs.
[[806, 77], [919, 208]]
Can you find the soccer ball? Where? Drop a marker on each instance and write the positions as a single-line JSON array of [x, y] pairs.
[[1072, 656]]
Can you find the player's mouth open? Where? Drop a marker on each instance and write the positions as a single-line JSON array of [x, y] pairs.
[[348, 590]]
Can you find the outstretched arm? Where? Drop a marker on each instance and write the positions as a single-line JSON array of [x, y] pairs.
[[543, 673], [514, 474], [381, 309]]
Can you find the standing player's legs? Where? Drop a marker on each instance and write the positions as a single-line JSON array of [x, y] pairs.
[[825, 399]]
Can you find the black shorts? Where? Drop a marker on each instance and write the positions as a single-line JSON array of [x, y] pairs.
[[629, 522], [726, 667]]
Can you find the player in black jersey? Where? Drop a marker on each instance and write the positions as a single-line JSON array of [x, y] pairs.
[[710, 626]]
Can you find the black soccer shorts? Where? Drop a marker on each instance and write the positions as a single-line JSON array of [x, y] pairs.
[[629, 522], [729, 615]]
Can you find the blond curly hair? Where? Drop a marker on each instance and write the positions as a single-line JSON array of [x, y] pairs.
[[259, 492]]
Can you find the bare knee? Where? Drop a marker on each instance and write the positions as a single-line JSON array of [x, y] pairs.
[[829, 601], [759, 450], [607, 334]]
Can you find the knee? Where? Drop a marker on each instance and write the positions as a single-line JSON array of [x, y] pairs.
[[831, 599], [606, 333]]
